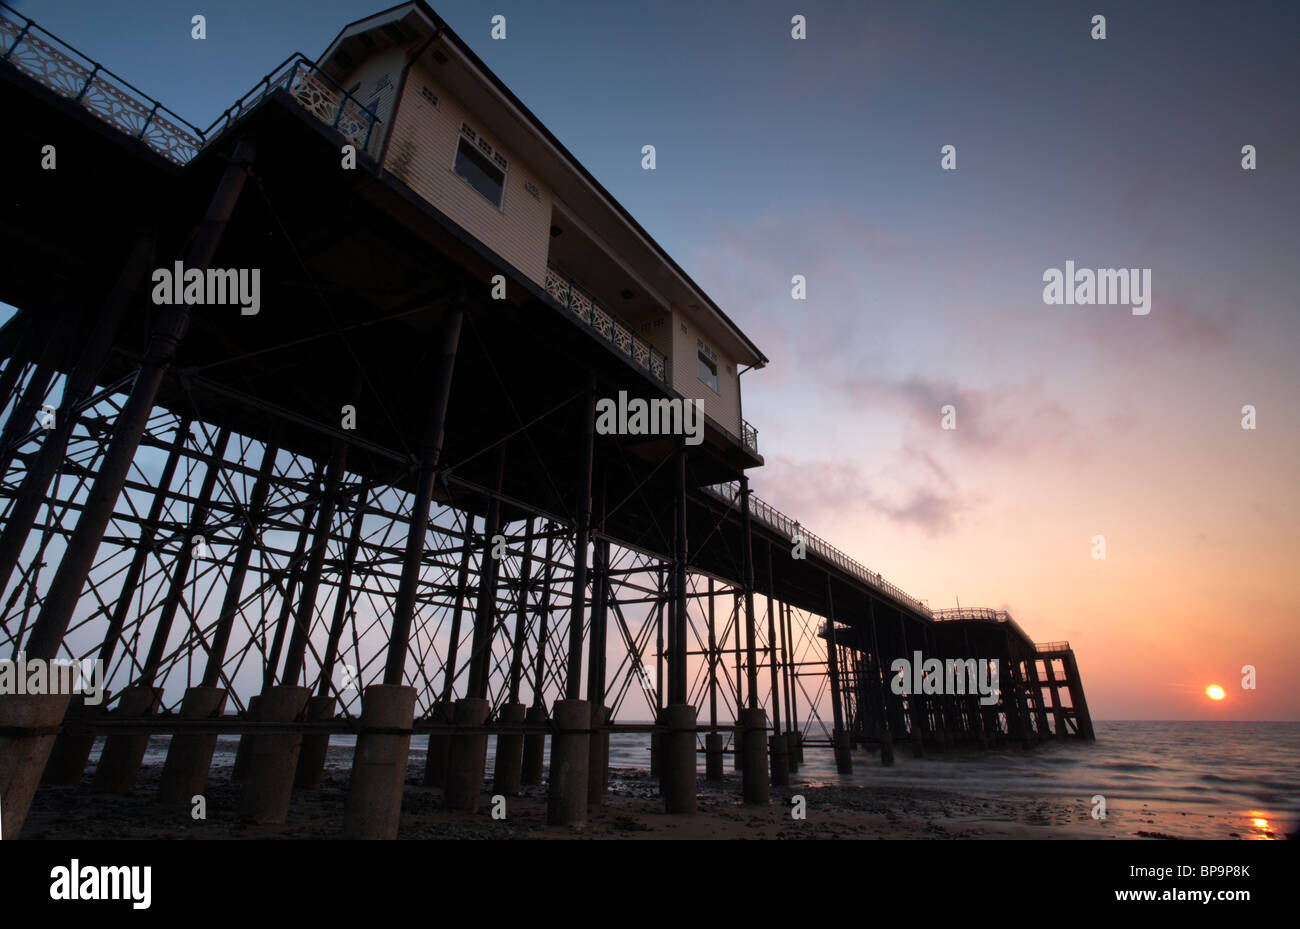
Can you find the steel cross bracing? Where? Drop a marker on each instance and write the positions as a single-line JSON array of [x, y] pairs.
[[195, 518], [135, 578]]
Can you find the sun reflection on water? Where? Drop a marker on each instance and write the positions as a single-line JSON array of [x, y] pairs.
[[1261, 827]]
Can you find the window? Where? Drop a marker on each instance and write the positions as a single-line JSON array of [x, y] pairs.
[[481, 171], [708, 371], [708, 364]]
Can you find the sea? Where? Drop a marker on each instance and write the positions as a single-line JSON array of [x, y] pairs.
[[1192, 779]]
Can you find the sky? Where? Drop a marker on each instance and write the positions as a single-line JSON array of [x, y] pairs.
[[822, 157]]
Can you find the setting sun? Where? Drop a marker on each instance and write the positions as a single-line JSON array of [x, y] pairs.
[[1214, 692]]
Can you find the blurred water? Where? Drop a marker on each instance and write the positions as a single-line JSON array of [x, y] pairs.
[[1231, 777]]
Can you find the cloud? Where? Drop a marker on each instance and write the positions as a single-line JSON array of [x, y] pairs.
[[749, 269], [926, 509], [1176, 324], [1013, 420], [821, 492]]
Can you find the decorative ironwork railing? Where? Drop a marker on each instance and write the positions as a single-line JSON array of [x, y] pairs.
[[973, 612], [313, 90], [58, 66], [773, 518], [55, 64], [981, 613], [572, 297], [1051, 647]]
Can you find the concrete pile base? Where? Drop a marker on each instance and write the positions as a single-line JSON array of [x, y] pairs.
[[534, 747], [31, 721], [843, 757], [566, 797], [119, 762], [315, 746], [438, 755], [373, 809], [713, 756], [678, 765], [189, 757], [507, 770], [273, 757], [468, 756], [778, 749], [71, 751], [886, 746], [246, 741], [754, 773]]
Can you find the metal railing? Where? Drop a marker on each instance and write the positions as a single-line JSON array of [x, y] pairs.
[[55, 64], [774, 519], [313, 90], [58, 66], [984, 614], [1051, 646], [570, 296], [973, 612]]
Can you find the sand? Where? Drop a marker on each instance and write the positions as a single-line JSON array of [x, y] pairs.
[[633, 810]]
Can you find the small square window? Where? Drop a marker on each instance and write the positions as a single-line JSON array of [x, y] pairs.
[[708, 370], [480, 172]]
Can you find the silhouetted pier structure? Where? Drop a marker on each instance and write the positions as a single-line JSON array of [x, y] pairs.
[[379, 505], [1037, 693]]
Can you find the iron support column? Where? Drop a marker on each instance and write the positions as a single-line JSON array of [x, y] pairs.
[[65, 590], [306, 612], [521, 616], [54, 445], [582, 529], [430, 453], [248, 536], [747, 550], [839, 738], [485, 613], [181, 569]]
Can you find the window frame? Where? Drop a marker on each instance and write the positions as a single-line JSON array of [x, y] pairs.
[[472, 144], [701, 359]]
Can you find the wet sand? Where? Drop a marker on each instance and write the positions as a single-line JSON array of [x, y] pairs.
[[633, 810]]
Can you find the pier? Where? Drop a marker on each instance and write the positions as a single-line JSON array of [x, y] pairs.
[[380, 504]]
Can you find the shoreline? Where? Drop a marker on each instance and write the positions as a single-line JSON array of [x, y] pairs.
[[633, 809]]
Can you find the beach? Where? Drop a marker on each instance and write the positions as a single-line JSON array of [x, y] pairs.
[[1009, 793]]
